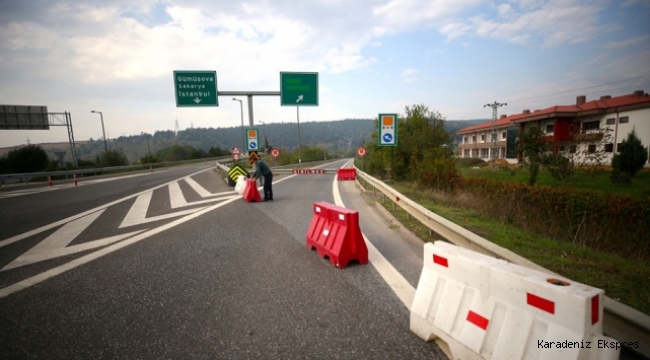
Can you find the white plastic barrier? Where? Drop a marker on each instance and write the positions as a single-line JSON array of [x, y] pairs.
[[485, 308]]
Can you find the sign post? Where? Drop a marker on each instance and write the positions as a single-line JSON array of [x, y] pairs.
[[275, 153], [387, 130], [298, 89], [195, 88], [388, 134], [252, 139], [361, 152]]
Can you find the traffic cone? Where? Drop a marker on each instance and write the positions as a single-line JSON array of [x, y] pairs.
[[49, 180], [75, 179]]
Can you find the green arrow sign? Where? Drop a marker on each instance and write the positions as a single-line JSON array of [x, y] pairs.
[[195, 88], [298, 89]]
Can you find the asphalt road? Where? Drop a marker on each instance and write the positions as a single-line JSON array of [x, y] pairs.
[[166, 266]]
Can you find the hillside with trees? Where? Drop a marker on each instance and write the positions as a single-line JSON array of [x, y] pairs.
[[335, 137]]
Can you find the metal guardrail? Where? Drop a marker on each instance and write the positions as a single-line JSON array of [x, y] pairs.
[[28, 176], [620, 321]]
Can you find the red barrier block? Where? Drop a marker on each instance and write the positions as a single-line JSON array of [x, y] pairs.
[[346, 174], [319, 223], [251, 194], [334, 232]]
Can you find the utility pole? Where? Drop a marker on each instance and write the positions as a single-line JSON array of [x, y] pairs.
[[494, 149]]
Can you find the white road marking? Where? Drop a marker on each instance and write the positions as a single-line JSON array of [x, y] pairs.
[[65, 184], [138, 212], [400, 286], [25, 235], [177, 199], [55, 245], [197, 187], [107, 250]]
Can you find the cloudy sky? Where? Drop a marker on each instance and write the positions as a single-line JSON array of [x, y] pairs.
[[372, 56]]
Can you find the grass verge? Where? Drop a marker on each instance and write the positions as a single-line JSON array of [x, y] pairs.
[[624, 280]]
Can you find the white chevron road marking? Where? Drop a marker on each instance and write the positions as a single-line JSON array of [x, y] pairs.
[[138, 212], [177, 199], [56, 245]]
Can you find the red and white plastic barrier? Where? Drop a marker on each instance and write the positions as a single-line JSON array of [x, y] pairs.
[[74, 177], [251, 194], [485, 308], [309, 171], [346, 174], [49, 181], [334, 232]]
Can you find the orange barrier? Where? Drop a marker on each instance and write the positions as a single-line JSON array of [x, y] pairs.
[[334, 232], [346, 174]]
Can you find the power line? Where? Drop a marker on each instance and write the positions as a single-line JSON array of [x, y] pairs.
[[584, 88]]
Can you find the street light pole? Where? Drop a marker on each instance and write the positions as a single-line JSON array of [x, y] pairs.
[[148, 148], [325, 143], [243, 137], [101, 116]]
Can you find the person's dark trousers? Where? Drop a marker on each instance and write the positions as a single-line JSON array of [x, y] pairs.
[[268, 186]]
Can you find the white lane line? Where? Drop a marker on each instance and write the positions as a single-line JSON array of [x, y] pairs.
[[22, 236], [400, 286]]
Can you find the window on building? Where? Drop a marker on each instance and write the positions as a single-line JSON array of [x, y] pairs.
[[562, 148], [609, 147], [624, 120], [503, 135], [591, 148], [573, 149], [482, 137], [611, 121], [618, 147], [588, 126], [464, 139], [549, 129], [474, 139]]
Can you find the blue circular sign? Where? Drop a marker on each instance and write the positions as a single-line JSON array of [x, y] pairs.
[[253, 145], [387, 138]]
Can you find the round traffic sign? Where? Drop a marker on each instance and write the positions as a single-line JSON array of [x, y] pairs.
[[275, 153], [361, 151]]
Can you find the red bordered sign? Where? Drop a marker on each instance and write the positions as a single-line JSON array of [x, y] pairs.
[[275, 153], [309, 171], [361, 151]]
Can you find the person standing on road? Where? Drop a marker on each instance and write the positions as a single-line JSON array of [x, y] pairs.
[[261, 169]]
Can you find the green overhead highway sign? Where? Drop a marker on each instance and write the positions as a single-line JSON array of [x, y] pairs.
[[195, 88], [298, 89]]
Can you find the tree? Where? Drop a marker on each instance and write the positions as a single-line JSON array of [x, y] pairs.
[[30, 158], [632, 157], [423, 153], [113, 157], [533, 149]]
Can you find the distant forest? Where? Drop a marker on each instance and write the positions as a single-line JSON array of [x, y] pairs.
[[338, 137]]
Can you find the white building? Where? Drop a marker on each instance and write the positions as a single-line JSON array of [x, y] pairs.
[[581, 125]]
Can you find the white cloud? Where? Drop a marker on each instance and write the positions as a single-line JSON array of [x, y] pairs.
[[410, 75], [552, 23], [644, 41]]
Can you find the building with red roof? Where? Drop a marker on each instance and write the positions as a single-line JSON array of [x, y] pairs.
[[574, 128]]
